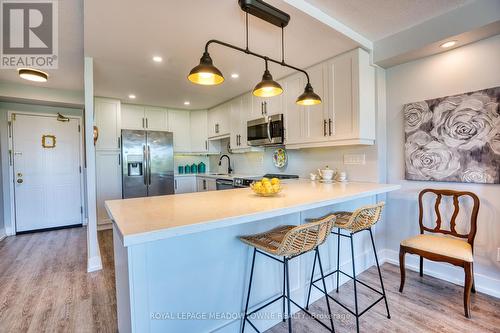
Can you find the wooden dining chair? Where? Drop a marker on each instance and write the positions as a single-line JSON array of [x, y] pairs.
[[451, 247]]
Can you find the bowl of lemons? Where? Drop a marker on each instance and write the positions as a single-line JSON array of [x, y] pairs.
[[266, 187]]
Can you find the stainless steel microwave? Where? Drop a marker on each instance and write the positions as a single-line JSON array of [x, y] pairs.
[[266, 131]]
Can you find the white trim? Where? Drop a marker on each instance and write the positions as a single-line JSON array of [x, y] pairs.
[[94, 264], [12, 229], [3, 234], [446, 272], [319, 15], [105, 226]]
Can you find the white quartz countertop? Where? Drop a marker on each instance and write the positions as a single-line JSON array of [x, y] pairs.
[[147, 219]]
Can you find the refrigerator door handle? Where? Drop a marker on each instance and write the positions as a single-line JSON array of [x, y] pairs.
[[145, 171], [149, 165]]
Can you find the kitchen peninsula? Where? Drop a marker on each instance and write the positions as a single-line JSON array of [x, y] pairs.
[[181, 268]]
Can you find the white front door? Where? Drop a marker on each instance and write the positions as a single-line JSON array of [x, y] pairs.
[[46, 172]]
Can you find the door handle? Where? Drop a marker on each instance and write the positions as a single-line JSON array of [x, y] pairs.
[[206, 144], [147, 123], [324, 127], [330, 126], [119, 142], [145, 159], [175, 184], [269, 130], [143, 123], [149, 164], [204, 184]]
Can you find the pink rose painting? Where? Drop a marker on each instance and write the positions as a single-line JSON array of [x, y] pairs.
[[454, 138]]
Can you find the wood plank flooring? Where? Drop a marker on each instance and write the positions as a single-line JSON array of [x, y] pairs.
[[44, 287]]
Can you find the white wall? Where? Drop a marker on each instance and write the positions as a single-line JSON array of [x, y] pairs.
[[472, 67]]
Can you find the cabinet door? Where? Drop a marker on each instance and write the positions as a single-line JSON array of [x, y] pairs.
[[211, 184], [294, 113], [107, 120], [132, 117], [212, 122], [185, 184], [246, 109], [340, 71], [235, 115], [198, 123], [201, 184], [317, 123], [108, 181], [224, 119], [179, 124], [156, 118], [271, 105]]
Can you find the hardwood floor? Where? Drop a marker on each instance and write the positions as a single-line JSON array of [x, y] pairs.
[[44, 287]]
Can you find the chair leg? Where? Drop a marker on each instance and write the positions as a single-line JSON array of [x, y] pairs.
[[421, 266], [380, 274], [467, 288], [289, 318], [311, 283], [402, 268], [338, 257], [249, 288], [473, 289], [354, 280], [325, 291], [284, 289]]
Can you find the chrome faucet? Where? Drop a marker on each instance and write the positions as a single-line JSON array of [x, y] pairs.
[[229, 170]]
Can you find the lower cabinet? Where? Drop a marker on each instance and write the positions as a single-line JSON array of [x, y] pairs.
[[205, 184], [108, 182], [185, 184]]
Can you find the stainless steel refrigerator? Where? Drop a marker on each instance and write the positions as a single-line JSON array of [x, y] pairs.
[[147, 163]]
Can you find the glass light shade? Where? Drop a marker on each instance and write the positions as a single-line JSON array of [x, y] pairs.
[[308, 97], [206, 73], [33, 74], [267, 87]]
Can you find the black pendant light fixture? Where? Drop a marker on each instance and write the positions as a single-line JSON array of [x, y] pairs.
[[207, 74]]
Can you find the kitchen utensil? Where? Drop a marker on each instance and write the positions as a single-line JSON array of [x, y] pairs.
[[313, 176], [326, 173], [342, 176]]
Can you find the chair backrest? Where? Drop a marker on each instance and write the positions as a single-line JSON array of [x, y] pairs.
[[456, 204], [366, 216], [306, 237]]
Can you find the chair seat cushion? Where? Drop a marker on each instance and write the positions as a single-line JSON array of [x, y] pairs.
[[268, 241], [446, 246]]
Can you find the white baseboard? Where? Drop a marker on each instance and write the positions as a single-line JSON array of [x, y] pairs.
[[3, 234], [105, 226], [446, 272], [94, 264]]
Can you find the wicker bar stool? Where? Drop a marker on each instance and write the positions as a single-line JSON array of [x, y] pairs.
[[289, 242], [353, 222]]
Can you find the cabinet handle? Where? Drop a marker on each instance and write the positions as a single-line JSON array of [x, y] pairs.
[[324, 127], [119, 159], [330, 126], [147, 123], [119, 142], [239, 139], [143, 123], [206, 144], [204, 184], [175, 184]]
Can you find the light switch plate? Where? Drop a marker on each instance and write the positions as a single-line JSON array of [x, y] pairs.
[[354, 159]]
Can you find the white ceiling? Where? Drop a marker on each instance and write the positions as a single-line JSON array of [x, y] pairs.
[[69, 75], [123, 35], [376, 19]]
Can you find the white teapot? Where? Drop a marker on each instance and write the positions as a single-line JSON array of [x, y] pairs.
[[326, 173]]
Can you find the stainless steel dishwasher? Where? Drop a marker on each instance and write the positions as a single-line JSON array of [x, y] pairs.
[[224, 184]]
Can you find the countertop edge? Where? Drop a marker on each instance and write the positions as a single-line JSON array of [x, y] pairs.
[[227, 222]]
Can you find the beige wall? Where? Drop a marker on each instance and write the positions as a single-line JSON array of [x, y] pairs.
[[472, 67]]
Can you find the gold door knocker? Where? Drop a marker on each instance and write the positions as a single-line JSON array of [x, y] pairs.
[[48, 141]]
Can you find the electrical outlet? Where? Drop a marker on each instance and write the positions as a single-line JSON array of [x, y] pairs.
[[354, 159], [498, 254]]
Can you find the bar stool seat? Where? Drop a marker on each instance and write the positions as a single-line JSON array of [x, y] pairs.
[[288, 242]]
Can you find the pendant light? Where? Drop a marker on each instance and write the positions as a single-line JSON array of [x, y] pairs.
[[267, 87], [206, 73], [308, 97], [33, 74]]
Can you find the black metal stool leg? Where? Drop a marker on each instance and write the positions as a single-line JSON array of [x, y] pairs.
[[312, 279], [380, 274], [338, 257], [354, 280], [249, 288], [284, 289], [288, 296], [324, 288]]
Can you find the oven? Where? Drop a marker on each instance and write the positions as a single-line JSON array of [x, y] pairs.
[[266, 131]]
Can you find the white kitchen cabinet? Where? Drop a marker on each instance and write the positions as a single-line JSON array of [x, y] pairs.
[[107, 120], [238, 138], [266, 105], [199, 134], [219, 120], [108, 181], [211, 184], [294, 113], [185, 184], [179, 124], [139, 117]]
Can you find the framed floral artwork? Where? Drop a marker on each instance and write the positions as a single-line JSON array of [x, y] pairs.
[[454, 138]]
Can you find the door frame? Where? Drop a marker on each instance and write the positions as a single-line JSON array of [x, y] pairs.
[[11, 163]]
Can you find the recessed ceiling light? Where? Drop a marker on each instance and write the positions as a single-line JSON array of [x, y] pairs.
[[235, 75], [157, 59], [187, 103], [33, 74], [131, 96], [448, 44]]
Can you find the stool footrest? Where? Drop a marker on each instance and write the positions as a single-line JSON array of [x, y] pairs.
[[349, 276]]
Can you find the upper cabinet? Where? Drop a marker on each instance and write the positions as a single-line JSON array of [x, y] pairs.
[[199, 128], [180, 124], [138, 117], [219, 120], [346, 116], [107, 120], [262, 106]]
